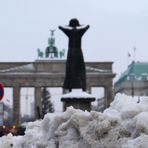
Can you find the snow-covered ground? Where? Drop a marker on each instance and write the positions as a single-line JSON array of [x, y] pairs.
[[123, 125]]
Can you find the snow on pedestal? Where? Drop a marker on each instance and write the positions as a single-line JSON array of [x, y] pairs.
[[78, 99]]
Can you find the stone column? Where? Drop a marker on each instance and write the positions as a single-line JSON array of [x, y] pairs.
[[38, 103], [108, 96], [16, 105], [105, 97]]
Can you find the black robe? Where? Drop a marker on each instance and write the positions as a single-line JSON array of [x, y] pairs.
[[75, 66]]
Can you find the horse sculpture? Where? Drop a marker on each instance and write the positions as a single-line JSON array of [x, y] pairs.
[[40, 53], [51, 52], [62, 53]]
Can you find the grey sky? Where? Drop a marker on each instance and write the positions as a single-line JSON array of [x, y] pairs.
[[116, 26]]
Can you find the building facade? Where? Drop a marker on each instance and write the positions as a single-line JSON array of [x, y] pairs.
[[134, 81]]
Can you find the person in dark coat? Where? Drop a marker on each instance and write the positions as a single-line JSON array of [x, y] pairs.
[[75, 66]]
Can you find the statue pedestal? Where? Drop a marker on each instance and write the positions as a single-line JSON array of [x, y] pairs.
[[78, 99]]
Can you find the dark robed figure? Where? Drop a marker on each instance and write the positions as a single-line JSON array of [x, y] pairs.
[[75, 67]]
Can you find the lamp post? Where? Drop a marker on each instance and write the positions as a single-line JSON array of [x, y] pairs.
[[132, 86], [133, 80]]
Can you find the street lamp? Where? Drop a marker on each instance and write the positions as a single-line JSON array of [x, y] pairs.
[[132, 78]]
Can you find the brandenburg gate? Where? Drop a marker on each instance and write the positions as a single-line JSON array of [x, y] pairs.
[[50, 73]]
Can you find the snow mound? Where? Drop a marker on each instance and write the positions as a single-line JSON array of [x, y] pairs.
[[123, 125]]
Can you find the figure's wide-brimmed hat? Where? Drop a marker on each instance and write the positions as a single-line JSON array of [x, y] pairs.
[[74, 22]]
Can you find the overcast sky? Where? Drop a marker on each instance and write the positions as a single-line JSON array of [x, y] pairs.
[[116, 26]]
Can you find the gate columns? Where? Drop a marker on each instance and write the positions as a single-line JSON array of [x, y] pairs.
[[38, 102], [16, 105]]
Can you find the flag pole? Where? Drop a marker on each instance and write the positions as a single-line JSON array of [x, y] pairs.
[[128, 58], [134, 55]]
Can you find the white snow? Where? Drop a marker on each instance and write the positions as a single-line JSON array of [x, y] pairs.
[[77, 93], [123, 125]]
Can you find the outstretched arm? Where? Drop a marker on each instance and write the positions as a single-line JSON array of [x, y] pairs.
[[83, 29], [65, 30], [86, 27], [61, 28]]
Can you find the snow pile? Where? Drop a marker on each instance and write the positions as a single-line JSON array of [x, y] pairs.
[[123, 125]]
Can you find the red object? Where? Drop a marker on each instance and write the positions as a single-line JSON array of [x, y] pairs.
[[1, 91]]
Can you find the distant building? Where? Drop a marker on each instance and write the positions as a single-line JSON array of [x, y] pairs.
[[134, 81]]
